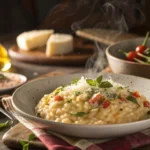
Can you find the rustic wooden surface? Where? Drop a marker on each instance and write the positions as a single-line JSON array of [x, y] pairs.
[[82, 51]]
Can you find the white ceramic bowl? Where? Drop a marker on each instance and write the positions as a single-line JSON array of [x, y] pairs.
[[117, 60], [26, 98]]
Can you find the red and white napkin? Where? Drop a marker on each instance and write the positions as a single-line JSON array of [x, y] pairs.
[[54, 141]]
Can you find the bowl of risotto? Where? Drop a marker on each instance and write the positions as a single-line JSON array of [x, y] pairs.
[[86, 105]]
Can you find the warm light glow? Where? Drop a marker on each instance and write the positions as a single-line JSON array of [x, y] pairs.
[[6, 67], [5, 62]]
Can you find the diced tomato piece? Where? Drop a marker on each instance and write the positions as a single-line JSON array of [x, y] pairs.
[[136, 94], [58, 98], [95, 99], [105, 103], [123, 99], [146, 104]]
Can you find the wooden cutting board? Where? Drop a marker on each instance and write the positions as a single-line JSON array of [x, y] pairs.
[[105, 36], [82, 51]]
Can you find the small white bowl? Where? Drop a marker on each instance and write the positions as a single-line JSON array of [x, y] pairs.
[[14, 80]]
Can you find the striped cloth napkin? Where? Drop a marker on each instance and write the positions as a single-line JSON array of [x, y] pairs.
[[54, 141]]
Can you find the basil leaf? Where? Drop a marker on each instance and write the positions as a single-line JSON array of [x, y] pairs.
[[69, 100], [105, 84], [58, 90], [31, 137], [91, 82], [112, 96], [75, 81], [76, 93], [99, 79], [80, 114], [101, 100], [3, 77], [119, 88], [132, 99], [5, 124], [118, 96], [23, 142]]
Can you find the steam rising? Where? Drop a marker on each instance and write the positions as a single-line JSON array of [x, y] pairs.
[[120, 15], [115, 15]]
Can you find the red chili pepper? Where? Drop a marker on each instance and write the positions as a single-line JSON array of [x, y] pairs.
[[136, 94], [123, 99], [105, 103], [146, 104], [142, 48], [58, 98]]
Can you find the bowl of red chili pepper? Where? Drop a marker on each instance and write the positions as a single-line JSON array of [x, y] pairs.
[[130, 57]]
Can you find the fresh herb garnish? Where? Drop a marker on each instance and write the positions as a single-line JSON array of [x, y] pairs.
[[3, 77], [101, 100], [113, 96], [75, 81], [69, 100], [77, 93], [105, 84], [98, 82], [118, 96], [99, 79], [80, 114], [119, 88], [5, 124], [25, 144], [91, 82], [90, 93], [58, 90], [132, 99]]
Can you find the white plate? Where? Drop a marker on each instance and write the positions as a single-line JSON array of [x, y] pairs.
[[15, 81], [26, 98]]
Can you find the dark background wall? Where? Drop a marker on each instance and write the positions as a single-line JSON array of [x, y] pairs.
[[21, 15]]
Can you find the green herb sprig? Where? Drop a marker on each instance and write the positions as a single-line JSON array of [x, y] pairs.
[[3, 77], [25, 144], [75, 81], [77, 93], [132, 99], [58, 90], [98, 82], [80, 114], [69, 100], [5, 124]]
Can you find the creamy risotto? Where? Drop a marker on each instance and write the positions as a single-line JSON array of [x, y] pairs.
[[93, 101]]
